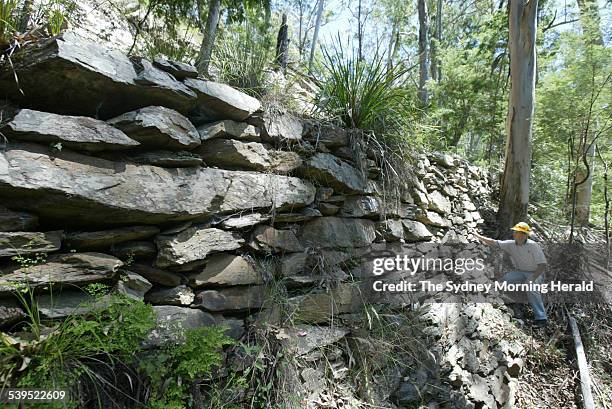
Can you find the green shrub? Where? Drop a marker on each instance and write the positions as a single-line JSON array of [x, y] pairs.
[[364, 94]]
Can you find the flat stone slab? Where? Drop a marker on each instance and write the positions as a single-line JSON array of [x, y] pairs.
[[193, 245], [105, 238], [11, 220], [133, 285], [268, 238], [91, 191], [64, 269], [229, 129], [167, 159], [220, 101], [157, 276], [74, 76], [179, 70], [134, 249], [247, 220], [158, 127], [181, 295], [231, 299], [70, 302], [226, 269], [334, 172], [301, 339], [74, 132], [22, 243], [415, 231], [336, 232]]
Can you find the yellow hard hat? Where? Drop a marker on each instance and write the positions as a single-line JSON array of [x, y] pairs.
[[522, 227]]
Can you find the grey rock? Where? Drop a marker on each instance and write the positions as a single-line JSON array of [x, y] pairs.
[[415, 231], [361, 206], [229, 129], [68, 303], [220, 101], [64, 269], [193, 245], [334, 172], [320, 307], [293, 264], [226, 269], [177, 69], [162, 83], [270, 239], [444, 160], [432, 219], [10, 313], [105, 238], [133, 285], [181, 295], [173, 321], [156, 275], [11, 220], [306, 214], [134, 250], [231, 299], [281, 127], [22, 243], [75, 132], [90, 79], [167, 159], [329, 135], [328, 209], [391, 230], [334, 232], [439, 203], [157, 127], [302, 339], [323, 193], [87, 190], [241, 222]]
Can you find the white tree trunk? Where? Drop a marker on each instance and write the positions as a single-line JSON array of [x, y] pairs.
[[517, 170], [423, 50], [584, 190], [209, 34], [315, 36]]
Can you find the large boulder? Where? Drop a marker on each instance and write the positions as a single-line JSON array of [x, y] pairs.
[[64, 269], [226, 269], [158, 128], [220, 101], [84, 190], [22, 243], [11, 220], [334, 172], [100, 239], [231, 299], [192, 245], [75, 132], [336, 232], [71, 75]]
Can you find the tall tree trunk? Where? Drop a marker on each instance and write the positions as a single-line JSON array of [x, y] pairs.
[[315, 36], [438, 69], [423, 50], [24, 16], [392, 43], [359, 33], [209, 34], [584, 190], [282, 45], [514, 196]]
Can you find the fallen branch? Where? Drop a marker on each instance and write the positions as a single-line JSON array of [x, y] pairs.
[[585, 378]]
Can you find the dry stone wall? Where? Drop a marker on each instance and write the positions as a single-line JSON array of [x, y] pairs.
[[187, 194]]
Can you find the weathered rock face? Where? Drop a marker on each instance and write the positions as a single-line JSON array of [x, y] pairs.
[[229, 129], [334, 172], [73, 269], [75, 132], [105, 238], [178, 69], [270, 239], [89, 79], [167, 159], [219, 101], [193, 245], [158, 127], [81, 188], [231, 299], [226, 269], [23, 243], [333, 232], [415, 231], [133, 285], [181, 295], [155, 275], [16, 221]]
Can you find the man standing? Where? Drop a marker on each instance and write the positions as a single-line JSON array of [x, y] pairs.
[[529, 263]]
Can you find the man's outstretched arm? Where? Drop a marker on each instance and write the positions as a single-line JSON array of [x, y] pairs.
[[486, 240]]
